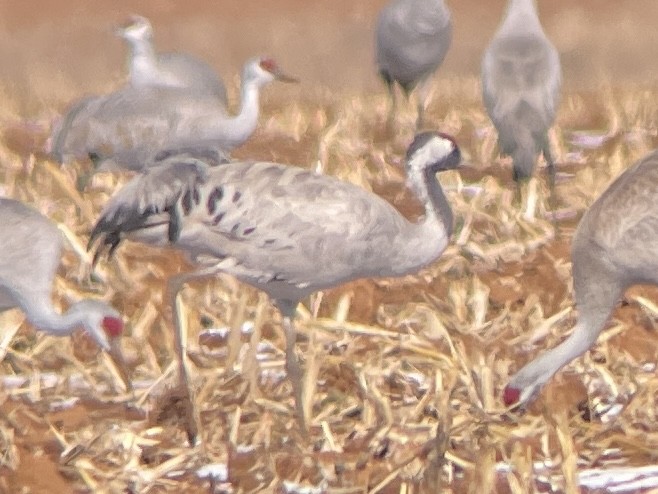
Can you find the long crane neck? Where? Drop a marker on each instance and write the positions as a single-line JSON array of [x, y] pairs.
[[423, 242], [428, 189], [521, 16], [143, 59], [41, 314], [232, 132], [437, 205]]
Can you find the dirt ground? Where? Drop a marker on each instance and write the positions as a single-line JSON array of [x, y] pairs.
[[501, 280]]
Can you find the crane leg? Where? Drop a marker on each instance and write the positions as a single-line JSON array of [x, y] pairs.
[[82, 181], [420, 121], [551, 171], [393, 108], [293, 368], [550, 164], [294, 371], [192, 418], [422, 94]]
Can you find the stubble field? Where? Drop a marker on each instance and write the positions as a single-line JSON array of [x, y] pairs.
[[405, 374]]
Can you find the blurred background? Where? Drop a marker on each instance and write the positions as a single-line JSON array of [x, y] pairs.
[[51, 51]]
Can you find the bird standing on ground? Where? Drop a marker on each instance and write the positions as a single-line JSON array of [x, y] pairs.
[[124, 129], [521, 79], [615, 246], [150, 69], [282, 229], [31, 247], [412, 39]]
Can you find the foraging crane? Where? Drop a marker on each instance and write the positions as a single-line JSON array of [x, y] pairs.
[[412, 39], [125, 128], [615, 246], [148, 68], [521, 79], [31, 248], [286, 231]]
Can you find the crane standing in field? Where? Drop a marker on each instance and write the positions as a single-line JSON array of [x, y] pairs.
[[521, 79], [614, 247], [412, 39], [282, 229], [31, 248], [124, 129], [150, 69]]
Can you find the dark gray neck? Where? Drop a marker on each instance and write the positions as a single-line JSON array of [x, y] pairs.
[[437, 201]]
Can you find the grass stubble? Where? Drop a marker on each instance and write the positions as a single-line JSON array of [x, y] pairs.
[[404, 374]]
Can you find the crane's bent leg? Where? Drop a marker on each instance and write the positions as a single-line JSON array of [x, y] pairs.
[[192, 419]]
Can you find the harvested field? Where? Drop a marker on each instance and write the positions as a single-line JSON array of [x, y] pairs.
[[405, 374]]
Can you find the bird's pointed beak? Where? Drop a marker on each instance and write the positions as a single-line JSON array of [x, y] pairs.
[[116, 355], [283, 77], [119, 31], [121, 28]]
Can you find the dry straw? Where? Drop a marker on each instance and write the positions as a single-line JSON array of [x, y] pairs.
[[403, 376]]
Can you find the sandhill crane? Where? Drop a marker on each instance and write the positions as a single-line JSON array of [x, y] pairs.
[[31, 248], [614, 247], [521, 79], [148, 68], [282, 229], [125, 128], [412, 39]]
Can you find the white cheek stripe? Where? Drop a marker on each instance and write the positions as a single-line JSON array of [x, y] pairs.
[[435, 150]]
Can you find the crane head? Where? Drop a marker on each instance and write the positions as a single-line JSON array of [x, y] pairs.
[[263, 70], [101, 321], [524, 386], [137, 28], [433, 151]]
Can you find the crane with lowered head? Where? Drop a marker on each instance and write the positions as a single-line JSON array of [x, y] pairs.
[[31, 248], [614, 247]]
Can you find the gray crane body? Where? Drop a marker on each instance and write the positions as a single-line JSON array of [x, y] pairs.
[[521, 81], [412, 39], [172, 67], [282, 229], [126, 128], [33, 246], [148, 68], [614, 247]]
